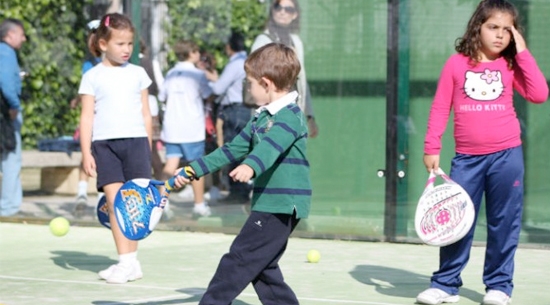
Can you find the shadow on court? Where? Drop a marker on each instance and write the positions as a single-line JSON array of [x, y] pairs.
[[195, 298], [75, 260], [400, 283]]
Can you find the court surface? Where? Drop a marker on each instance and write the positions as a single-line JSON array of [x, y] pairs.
[[39, 268]]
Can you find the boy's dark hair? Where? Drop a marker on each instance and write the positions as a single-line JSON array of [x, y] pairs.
[[236, 42], [470, 43], [7, 25], [184, 48], [276, 62], [107, 24]]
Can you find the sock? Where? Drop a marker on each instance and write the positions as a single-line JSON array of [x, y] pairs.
[[127, 258], [200, 205], [83, 188]]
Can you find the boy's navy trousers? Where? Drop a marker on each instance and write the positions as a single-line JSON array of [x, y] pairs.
[[500, 176], [254, 258]]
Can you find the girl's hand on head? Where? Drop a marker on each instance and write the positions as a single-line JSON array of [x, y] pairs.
[[431, 162], [518, 39]]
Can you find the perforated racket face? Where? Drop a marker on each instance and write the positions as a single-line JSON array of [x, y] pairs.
[[102, 211], [444, 215], [134, 203]]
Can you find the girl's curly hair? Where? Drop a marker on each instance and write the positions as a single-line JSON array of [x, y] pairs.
[[470, 43]]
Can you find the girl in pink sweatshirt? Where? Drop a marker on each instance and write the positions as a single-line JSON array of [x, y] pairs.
[[477, 84]]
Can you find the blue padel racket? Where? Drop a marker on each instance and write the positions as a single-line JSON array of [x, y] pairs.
[[103, 212], [139, 205]]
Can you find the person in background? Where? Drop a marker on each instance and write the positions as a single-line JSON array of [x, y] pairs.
[[283, 26], [184, 89], [115, 129], [12, 35], [478, 84], [232, 115]]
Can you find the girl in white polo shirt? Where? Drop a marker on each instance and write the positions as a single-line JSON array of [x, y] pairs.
[[115, 127]]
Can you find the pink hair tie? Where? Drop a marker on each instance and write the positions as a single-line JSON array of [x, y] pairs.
[[107, 21]]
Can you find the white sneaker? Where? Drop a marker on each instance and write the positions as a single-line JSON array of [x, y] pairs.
[[122, 273], [137, 273], [187, 193], [168, 213], [496, 297], [202, 210], [81, 205], [104, 274], [434, 296]]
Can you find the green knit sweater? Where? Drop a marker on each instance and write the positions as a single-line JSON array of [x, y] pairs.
[[274, 146]]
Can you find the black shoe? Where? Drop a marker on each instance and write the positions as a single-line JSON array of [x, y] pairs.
[[234, 199]]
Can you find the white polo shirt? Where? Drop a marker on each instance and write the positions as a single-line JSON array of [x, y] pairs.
[[184, 89], [118, 105]]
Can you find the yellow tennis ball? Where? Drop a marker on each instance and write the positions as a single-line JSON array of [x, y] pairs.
[[313, 256], [59, 226]]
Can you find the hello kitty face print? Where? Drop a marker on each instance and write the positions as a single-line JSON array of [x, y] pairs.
[[483, 86]]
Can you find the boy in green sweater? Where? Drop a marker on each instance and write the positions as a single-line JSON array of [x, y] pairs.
[[272, 147]]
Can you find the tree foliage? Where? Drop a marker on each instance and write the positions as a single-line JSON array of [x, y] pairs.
[[52, 58], [209, 23]]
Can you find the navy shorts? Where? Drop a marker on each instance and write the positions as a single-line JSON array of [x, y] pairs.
[[120, 160]]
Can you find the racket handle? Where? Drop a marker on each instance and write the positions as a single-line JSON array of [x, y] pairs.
[[171, 183], [442, 174], [431, 179]]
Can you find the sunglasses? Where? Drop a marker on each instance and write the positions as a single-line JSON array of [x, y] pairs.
[[288, 9]]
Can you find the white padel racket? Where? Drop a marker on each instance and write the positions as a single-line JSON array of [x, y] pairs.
[[445, 213]]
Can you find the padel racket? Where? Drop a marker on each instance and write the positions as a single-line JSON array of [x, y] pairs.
[[445, 213], [139, 205]]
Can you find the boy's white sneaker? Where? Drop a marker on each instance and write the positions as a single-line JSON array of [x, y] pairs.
[[136, 272], [434, 296], [496, 297]]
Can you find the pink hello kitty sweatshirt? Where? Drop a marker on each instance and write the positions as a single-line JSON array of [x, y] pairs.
[[481, 97]]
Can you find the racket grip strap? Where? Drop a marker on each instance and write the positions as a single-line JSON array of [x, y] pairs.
[[188, 172]]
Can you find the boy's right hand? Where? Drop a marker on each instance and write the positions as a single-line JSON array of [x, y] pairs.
[[180, 180], [431, 162]]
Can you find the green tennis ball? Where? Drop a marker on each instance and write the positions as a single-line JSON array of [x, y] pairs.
[[59, 226], [313, 256]]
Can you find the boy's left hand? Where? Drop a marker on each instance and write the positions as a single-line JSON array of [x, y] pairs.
[[242, 173]]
